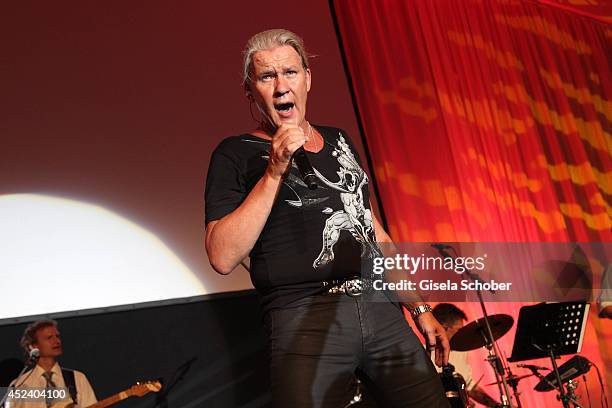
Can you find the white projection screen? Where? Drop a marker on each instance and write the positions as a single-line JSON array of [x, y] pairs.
[[109, 113]]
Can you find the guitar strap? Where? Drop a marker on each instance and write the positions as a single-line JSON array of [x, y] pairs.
[[68, 375]]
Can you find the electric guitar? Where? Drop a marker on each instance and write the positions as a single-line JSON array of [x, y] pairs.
[[136, 390]]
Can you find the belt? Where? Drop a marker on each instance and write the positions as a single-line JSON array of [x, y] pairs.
[[352, 287]]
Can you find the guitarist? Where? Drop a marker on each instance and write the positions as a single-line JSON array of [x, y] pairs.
[[46, 373]]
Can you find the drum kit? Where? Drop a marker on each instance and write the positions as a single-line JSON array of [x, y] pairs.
[[476, 335], [543, 330]]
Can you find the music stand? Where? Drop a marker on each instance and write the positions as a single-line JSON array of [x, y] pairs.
[[550, 330], [161, 400]]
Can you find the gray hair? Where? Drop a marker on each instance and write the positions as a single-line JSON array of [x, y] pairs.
[[266, 40]]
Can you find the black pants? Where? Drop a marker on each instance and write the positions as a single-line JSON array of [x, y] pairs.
[[318, 344]]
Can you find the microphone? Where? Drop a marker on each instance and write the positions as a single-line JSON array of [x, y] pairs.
[[305, 168], [442, 249], [532, 367], [33, 357], [299, 157]]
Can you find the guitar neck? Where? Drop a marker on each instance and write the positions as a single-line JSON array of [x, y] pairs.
[[137, 390], [113, 399]]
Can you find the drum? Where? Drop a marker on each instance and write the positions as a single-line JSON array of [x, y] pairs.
[[454, 388]]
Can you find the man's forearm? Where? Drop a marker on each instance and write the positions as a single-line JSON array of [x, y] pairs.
[[230, 239], [411, 299]]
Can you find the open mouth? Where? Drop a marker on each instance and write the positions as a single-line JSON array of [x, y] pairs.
[[284, 107]]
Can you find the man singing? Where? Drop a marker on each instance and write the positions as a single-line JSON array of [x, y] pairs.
[[307, 246]]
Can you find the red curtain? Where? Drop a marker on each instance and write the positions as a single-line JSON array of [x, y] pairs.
[[487, 121], [597, 9]]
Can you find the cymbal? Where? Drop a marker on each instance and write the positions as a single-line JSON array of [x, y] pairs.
[[516, 378], [472, 335]]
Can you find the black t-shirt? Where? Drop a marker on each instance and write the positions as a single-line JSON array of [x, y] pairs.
[[311, 236]]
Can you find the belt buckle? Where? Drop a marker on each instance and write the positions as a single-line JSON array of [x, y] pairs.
[[353, 287]]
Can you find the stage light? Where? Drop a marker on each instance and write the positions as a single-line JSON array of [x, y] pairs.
[[58, 254]]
